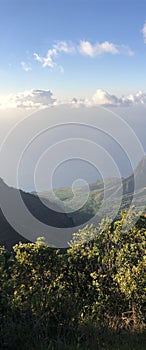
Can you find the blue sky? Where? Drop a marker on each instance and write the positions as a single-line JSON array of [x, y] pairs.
[[30, 26]]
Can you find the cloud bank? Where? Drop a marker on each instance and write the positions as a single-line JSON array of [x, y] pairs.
[[40, 99], [31, 99], [103, 98]]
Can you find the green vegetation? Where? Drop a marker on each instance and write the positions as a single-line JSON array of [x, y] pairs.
[[96, 197], [91, 297]]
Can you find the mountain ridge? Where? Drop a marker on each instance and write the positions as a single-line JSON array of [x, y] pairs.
[[52, 217]]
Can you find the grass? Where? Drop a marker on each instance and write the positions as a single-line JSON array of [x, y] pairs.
[[89, 337], [109, 341]]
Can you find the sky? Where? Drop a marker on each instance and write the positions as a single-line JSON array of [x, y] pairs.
[[72, 47], [88, 55]]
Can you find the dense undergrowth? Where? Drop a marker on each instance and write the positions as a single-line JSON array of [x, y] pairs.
[[91, 297]]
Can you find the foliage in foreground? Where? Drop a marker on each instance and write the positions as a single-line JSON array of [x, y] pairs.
[[92, 297]]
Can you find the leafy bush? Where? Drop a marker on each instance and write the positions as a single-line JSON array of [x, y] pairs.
[[49, 298]]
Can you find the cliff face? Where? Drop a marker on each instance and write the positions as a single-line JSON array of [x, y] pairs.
[[46, 213], [137, 179]]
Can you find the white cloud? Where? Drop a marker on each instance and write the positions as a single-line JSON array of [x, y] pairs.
[[84, 48], [32, 99], [63, 46], [138, 98], [25, 66], [144, 32], [87, 49], [102, 97], [49, 60]]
